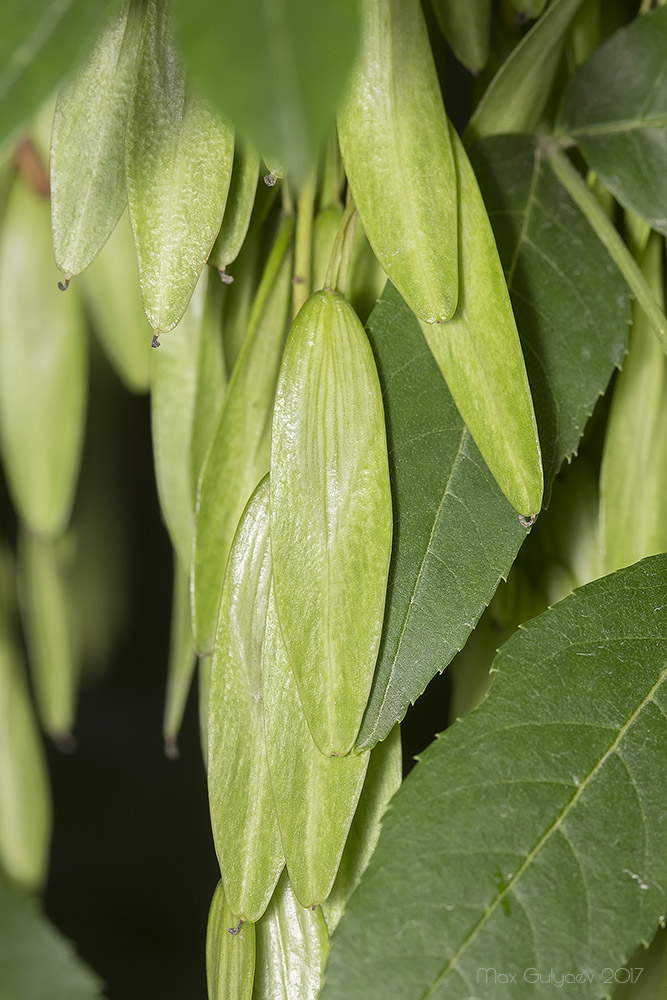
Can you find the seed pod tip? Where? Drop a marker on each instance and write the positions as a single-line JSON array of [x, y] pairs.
[[236, 930], [64, 285]]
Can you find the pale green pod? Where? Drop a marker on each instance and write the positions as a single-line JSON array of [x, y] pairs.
[[25, 798], [585, 32], [48, 625], [211, 381], [239, 453], [236, 220], [43, 368], [110, 289], [529, 8], [479, 354], [367, 279], [182, 659], [331, 515], [243, 816], [178, 166], [517, 95], [292, 948], [315, 796], [238, 299], [466, 24], [398, 159], [230, 952], [633, 478], [182, 423], [88, 143], [276, 171], [325, 227], [383, 778]]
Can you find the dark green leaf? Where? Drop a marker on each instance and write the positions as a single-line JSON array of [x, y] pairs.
[[39, 42], [615, 107], [276, 70], [530, 837], [35, 961], [455, 535]]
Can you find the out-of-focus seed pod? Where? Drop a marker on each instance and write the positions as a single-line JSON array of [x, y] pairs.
[[182, 659], [236, 220], [25, 799], [43, 368], [315, 796], [633, 479], [88, 143], [367, 278], [331, 515], [383, 778], [230, 952], [517, 95], [243, 816], [239, 453], [398, 159], [529, 8], [182, 390], [325, 228], [466, 25], [204, 679], [178, 165], [479, 354], [238, 299], [49, 629], [110, 289], [585, 32], [292, 948]]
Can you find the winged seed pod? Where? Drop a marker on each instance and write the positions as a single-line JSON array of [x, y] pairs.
[[331, 515], [398, 158], [88, 144], [230, 953], [25, 798], [633, 478], [479, 354], [291, 950], [243, 816], [178, 164], [239, 453], [236, 220], [466, 25], [315, 796], [43, 368]]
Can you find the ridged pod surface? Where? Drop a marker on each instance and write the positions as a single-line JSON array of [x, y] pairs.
[[88, 144], [178, 163], [479, 354], [331, 515], [230, 957], [243, 816], [398, 159]]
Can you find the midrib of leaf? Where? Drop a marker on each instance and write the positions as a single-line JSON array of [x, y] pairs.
[[36, 40], [557, 823], [427, 552]]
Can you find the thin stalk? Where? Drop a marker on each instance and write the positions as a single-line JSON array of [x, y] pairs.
[[332, 173], [586, 201], [339, 261], [303, 247]]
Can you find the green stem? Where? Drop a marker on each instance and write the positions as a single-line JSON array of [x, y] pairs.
[[332, 173], [303, 249], [339, 262], [586, 201]]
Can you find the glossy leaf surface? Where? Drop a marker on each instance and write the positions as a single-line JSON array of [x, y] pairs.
[[529, 835], [455, 534]]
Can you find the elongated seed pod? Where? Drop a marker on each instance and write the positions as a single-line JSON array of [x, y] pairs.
[[48, 625], [240, 202], [238, 299], [331, 515], [383, 778], [182, 659], [88, 144], [633, 478], [292, 948], [230, 952], [239, 453], [25, 799], [315, 796], [367, 278], [517, 95], [43, 368], [325, 227], [479, 354], [110, 289], [178, 165], [398, 158], [529, 8], [466, 25], [243, 816]]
